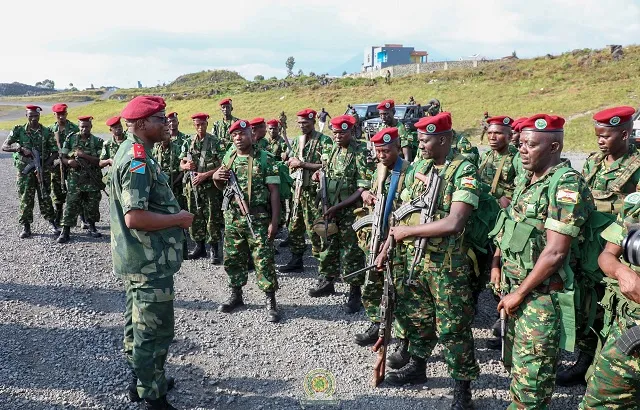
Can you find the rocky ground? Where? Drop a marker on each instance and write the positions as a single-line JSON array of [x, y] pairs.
[[61, 329]]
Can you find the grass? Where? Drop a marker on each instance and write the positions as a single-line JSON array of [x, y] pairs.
[[573, 85]]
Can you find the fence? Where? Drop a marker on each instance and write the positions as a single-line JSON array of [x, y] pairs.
[[408, 69]]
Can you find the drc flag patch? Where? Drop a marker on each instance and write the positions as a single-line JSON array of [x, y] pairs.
[[138, 167]]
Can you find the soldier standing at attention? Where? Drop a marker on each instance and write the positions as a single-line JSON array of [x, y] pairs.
[[22, 140], [278, 148], [146, 246], [534, 234], [283, 124], [276, 143], [110, 147], [612, 174], [258, 133], [177, 136], [322, 119], [221, 127], [81, 154], [257, 177], [387, 110], [200, 157]]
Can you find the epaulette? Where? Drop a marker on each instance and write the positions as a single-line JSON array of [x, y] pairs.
[[139, 152]]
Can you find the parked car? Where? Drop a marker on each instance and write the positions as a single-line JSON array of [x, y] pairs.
[[406, 114]]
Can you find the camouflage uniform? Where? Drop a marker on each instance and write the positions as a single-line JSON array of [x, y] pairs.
[[169, 160], [615, 382], [440, 301], [462, 144], [220, 130], [505, 181], [536, 331], [262, 144], [146, 263], [109, 149], [276, 147], [239, 244], [58, 191], [28, 187], [407, 138]]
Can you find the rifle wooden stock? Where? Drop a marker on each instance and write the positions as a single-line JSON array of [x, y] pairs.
[[387, 304]]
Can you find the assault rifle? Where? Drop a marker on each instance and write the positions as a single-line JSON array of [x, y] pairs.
[[191, 175], [63, 186], [387, 304], [35, 166], [288, 144], [86, 168], [629, 341], [323, 198], [233, 191], [298, 180]]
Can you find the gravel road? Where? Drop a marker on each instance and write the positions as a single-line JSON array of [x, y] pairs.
[[61, 329]]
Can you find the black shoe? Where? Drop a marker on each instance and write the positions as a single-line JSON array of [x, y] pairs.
[[284, 244], [64, 235], [26, 231], [198, 252], [495, 329], [325, 287], [93, 231], [354, 302], [215, 254], [400, 357], [370, 336], [132, 389], [574, 375], [158, 404], [494, 344], [272, 309], [462, 396], [294, 265], [250, 264], [53, 226], [234, 301], [414, 372]]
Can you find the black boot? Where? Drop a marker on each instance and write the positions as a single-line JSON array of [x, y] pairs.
[[234, 301], [370, 336], [26, 231], [83, 224], [272, 309], [53, 226], [251, 264], [400, 357], [325, 287], [294, 265], [64, 235], [93, 231], [462, 396], [132, 390], [185, 250], [574, 375], [411, 373], [158, 404], [215, 254], [494, 344], [495, 329], [59, 212], [354, 302], [198, 252]]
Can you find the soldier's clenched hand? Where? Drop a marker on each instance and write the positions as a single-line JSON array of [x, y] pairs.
[[368, 198], [185, 219], [629, 283], [221, 174], [510, 303]]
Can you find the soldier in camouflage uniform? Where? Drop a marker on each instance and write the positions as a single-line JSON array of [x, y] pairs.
[[485, 126], [110, 147], [258, 133], [257, 177], [146, 246], [515, 141], [497, 170], [176, 135], [462, 144], [408, 142], [279, 148], [220, 128], [307, 162], [612, 174], [21, 141], [347, 176], [283, 124], [533, 237], [167, 153], [81, 155]]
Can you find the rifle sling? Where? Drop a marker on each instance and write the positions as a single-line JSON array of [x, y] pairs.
[[496, 177], [229, 164]]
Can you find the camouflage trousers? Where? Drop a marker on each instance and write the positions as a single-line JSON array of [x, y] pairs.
[[307, 214], [148, 332], [341, 253], [178, 192], [207, 220], [81, 202], [437, 306], [240, 245], [58, 194], [28, 189], [587, 340]]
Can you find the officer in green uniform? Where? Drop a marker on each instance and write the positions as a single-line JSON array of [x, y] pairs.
[[174, 124], [408, 143], [257, 177], [200, 157], [533, 236], [146, 247], [22, 140], [612, 174], [258, 133], [305, 158], [347, 176], [220, 128], [81, 155], [110, 147]]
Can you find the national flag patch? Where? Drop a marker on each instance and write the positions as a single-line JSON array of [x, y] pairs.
[[567, 196], [138, 167], [469, 182]]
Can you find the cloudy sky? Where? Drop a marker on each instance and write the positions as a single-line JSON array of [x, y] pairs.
[[119, 42]]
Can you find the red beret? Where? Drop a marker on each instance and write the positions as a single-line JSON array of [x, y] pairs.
[[542, 123], [33, 108], [256, 121], [500, 120], [434, 125], [200, 116], [59, 108], [172, 114], [385, 136], [225, 101], [307, 113], [342, 122], [613, 117], [238, 125], [517, 124], [113, 121], [143, 106], [273, 123], [386, 105], [85, 118]]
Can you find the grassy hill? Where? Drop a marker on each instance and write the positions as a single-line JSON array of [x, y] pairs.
[[574, 85]]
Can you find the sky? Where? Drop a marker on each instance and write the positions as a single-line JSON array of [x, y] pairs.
[[121, 42]]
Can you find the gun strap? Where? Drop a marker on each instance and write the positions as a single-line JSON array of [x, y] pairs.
[[496, 177], [229, 164], [350, 155], [203, 153]]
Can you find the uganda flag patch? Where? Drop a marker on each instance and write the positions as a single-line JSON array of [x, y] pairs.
[[567, 196], [138, 167]]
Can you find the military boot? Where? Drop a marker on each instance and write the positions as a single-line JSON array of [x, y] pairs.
[[200, 251], [272, 309], [26, 231], [354, 302], [93, 231], [59, 212], [215, 254], [462, 396], [132, 389], [400, 357], [414, 372], [185, 250], [234, 301], [325, 287], [294, 265], [64, 235], [370, 336], [574, 375], [83, 222], [53, 226], [158, 404]]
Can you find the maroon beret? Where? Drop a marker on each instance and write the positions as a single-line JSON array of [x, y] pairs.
[[58, 108], [256, 121], [434, 125], [543, 123], [273, 123], [613, 117], [342, 122], [113, 121], [238, 125], [33, 108], [200, 116], [385, 136], [172, 114], [225, 101], [85, 118], [500, 120], [307, 113], [386, 105], [143, 106]]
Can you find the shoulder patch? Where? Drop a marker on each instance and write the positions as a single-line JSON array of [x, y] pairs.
[[138, 167], [567, 196], [632, 199], [139, 152], [469, 182]]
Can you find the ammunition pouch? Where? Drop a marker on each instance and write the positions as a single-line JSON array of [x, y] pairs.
[[318, 227]]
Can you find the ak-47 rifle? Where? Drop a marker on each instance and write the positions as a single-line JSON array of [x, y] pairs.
[[233, 191], [323, 197], [387, 304], [191, 175], [35, 166], [86, 168], [288, 144], [298, 180], [503, 315], [63, 186]]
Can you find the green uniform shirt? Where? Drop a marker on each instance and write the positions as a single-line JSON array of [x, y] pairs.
[[40, 139], [347, 171], [312, 152], [205, 153], [464, 146], [169, 157], [506, 182], [88, 177], [69, 128], [276, 147], [262, 144], [221, 131]]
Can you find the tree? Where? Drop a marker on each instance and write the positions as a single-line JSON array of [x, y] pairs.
[[258, 77], [70, 85], [273, 78], [46, 84], [344, 73], [312, 74], [300, 73], [289, 64]]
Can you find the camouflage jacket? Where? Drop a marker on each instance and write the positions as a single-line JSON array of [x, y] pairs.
[[347, 170], [276, 147], [464, 146], [69, 128], [205, 153], [169, 158], [312, 152], [262, 144], [180, 138], [88, 177], [220, 130], [110, 147], [504, 179], [41, 139]]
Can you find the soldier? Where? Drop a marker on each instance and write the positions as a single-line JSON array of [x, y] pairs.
[[146, 246], [276, 144], [347, 176], [306, 158], [612, 174], [387, 110], [22, 141], [167, 153], [515, 140], [485, 125], [258, 133], [176, 135], [279, 149], [200, 157], [257, 178], [221, 127], [81, 155], [110, 147], [283, 124], [433, 108], [462, 144], [534, 234]]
